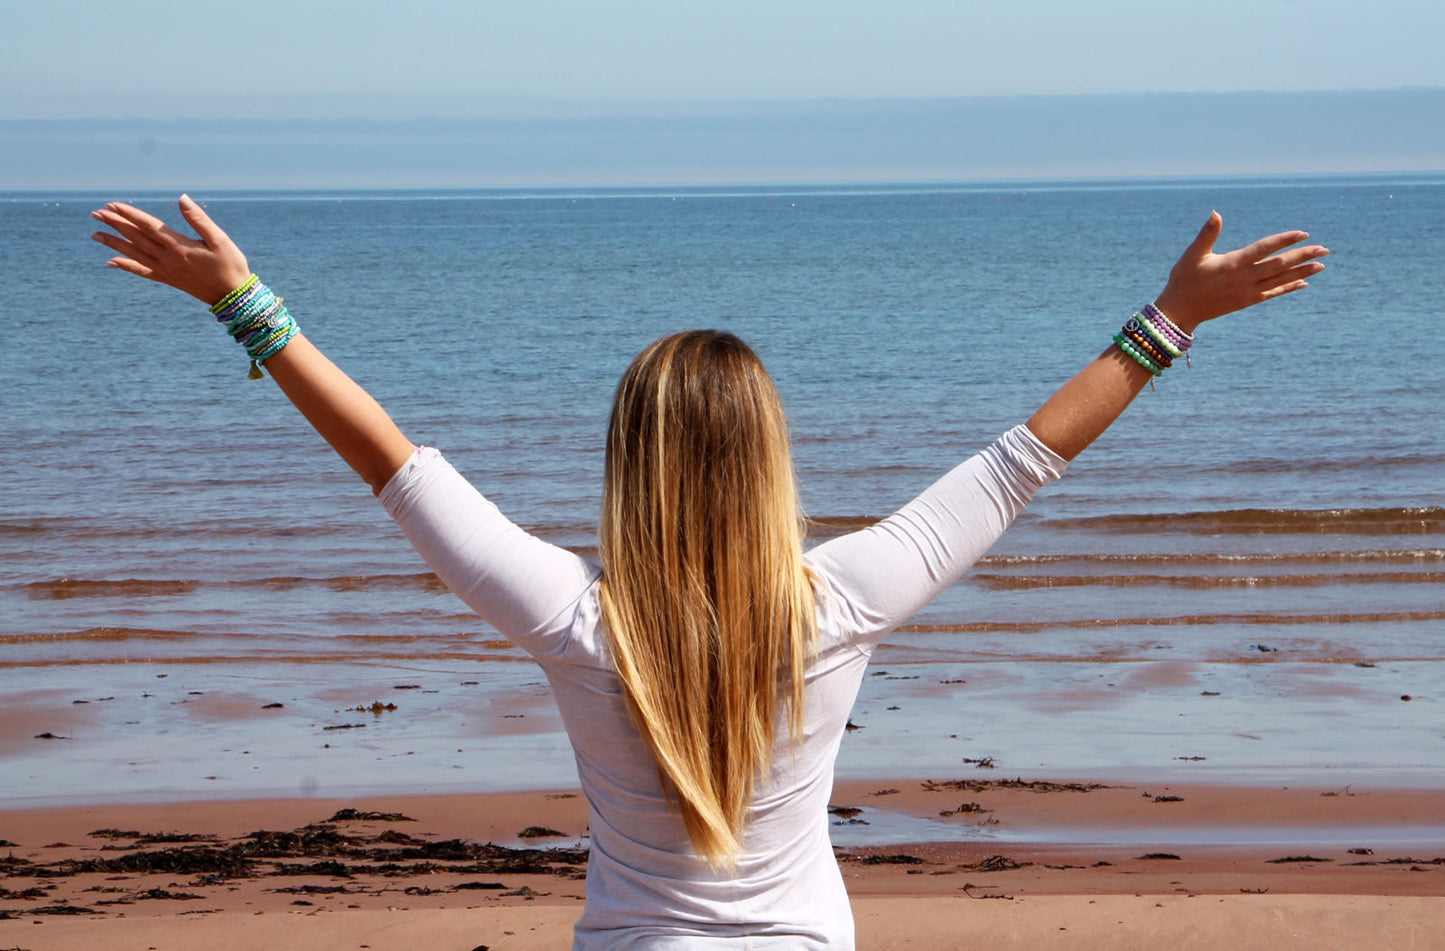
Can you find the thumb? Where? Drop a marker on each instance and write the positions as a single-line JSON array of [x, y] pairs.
[[1203, 243], [196, 216]]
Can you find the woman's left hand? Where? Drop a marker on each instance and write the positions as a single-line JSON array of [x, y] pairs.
[[207, 269], [1204, 285]]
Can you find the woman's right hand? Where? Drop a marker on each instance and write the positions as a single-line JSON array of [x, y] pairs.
[[1205, 285], [207, 269], [1202, 286]]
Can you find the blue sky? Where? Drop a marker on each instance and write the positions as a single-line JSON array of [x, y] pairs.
[[310, 93], [365, 57]]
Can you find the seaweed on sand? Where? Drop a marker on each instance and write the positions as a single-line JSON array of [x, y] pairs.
[[322, 848], [988, 785]]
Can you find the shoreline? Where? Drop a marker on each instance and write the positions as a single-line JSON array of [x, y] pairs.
[[973, 807], [388, 871]]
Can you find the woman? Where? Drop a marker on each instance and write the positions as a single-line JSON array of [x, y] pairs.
[[704, 671]]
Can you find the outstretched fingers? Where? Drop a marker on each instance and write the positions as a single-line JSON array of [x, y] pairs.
[[1283, 289], [135, 257], [141, 226], [1205, 284], [132, 266], [140, 236], [137, 238], [148, 224], [117, 244], [1272, 244], [207, 269], [129, 219], [128, 256], [1289, 267]]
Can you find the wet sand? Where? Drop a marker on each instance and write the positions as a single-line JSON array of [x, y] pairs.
[[1030, 864], [201, 731]]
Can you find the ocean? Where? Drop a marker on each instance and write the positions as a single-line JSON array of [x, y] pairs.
[[1240, 582]]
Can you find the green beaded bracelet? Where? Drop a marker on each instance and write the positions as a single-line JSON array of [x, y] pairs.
[[1138, 357], [235, 295], [1157, 336]]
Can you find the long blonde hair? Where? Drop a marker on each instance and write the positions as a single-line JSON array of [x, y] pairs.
[[704, 593]]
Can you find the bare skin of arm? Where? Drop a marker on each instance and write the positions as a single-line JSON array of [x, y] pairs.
[[1202, 286], [341, 411]]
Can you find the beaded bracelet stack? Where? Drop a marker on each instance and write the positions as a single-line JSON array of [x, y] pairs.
[[1153, 341], [257, 319]]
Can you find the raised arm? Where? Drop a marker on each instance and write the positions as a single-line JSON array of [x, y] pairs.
[[888, 571], [1203, 285], [212, 267]]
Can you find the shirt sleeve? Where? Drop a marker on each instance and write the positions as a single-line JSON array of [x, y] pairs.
[[882, 575], [517, 583]]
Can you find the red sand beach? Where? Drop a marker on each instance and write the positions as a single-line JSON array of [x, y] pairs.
[[415, 871]]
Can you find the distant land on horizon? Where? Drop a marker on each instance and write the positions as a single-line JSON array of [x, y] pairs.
[[512, 143]]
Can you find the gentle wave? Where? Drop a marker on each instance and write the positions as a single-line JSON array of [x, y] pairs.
[[101, 646], [231, 529], [209, 659], [19, 529], [64, 588], [1384, 521], [101, 635], [1028, 582], [830, 525], [78, 528], [1381, 521], [1364, 463], [1030, 627]]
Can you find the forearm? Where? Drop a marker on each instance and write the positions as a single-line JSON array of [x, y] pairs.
[[214, 271], [343, 413], [1203, 285], [1089, 403]]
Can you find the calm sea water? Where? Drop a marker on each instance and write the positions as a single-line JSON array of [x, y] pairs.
[[1249, 567]]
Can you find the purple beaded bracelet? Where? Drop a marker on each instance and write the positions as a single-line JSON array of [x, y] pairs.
[[1168, 327]]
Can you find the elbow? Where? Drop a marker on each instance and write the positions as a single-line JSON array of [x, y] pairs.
[[384, 468]]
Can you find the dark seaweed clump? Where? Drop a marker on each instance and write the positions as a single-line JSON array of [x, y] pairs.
[[324, 849], [986, 785]]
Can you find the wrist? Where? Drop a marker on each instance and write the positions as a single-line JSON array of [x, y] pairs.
[[1152, 340], [215, 289], [237, 290], [1177, 309], [257, 319]]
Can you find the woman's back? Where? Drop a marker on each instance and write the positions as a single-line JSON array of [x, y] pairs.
[[645, 881], [646, 885]]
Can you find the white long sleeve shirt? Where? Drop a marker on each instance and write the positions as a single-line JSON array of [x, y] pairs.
[[646, 888]]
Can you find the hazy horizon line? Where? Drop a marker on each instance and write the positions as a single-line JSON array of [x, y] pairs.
[[364, 106], [743, 188], [908, 140]]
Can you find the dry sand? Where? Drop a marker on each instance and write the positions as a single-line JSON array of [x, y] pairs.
[[328, 879]]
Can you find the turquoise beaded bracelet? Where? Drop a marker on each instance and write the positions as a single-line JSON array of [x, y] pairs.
[[257, 319]]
